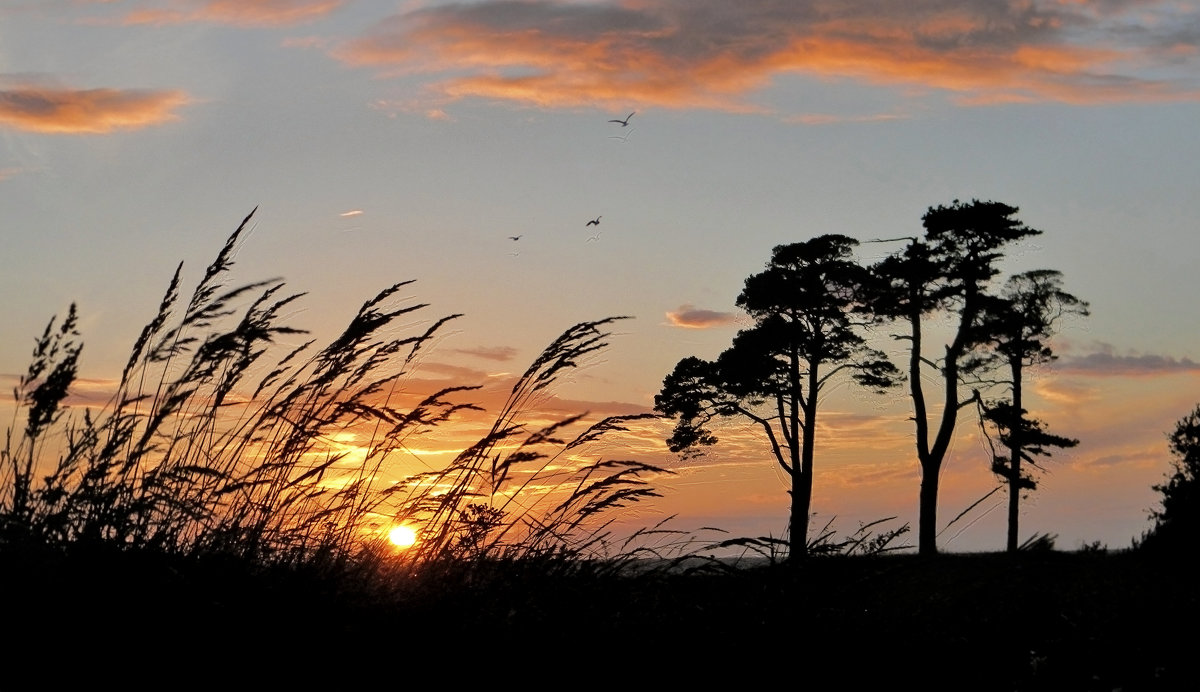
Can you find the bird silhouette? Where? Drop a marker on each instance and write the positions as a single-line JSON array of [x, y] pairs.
[[625, 137], [625, 122], [593, 222], [516, 237], [593, 238]]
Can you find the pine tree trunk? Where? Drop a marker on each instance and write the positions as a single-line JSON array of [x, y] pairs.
[[927, 520], [798, 524], [1014, 460]]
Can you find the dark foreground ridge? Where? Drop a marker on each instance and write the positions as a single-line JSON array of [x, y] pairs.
[[1033, 621]]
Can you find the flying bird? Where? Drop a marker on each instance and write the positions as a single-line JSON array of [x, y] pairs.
[[593, 238], [516, 237], [625, 137], [625, 122], [593, 222]]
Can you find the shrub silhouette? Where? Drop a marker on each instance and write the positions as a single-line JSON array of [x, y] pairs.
[[1177, 522]]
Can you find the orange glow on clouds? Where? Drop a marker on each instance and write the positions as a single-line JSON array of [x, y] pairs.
[[86, 111], [691, 317], [235, 12], [683, 54]]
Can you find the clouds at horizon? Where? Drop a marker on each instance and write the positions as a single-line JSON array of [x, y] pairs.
[[56, 110], [709, 54], [1106, 361]]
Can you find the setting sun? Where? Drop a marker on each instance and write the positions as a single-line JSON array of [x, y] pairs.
[[402, 536]]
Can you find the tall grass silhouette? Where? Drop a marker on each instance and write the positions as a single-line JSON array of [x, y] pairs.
[[220, 440]]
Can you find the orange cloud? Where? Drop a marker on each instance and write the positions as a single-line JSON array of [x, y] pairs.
[[690, 317], [685, 53], [86, 111], [84, 393], [1066, 392], [235, 12]]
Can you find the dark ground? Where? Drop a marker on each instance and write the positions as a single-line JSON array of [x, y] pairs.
[[1032, 621]]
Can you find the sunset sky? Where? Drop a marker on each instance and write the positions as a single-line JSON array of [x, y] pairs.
[[385, 141]]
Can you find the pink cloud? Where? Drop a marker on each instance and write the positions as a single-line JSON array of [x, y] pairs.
[[86, 111], [690, 317]]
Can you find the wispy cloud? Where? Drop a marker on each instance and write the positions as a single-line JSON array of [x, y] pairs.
[[6, 173], [1124, 458], [1105, 360], [715, 54], [560, 406], [502, 354], [691, 317], [318, 42], [833, 119], [425, 105], [83, 393], [352, 212], [458, 373], [232, 12], [86, 111], [1066, 392]]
